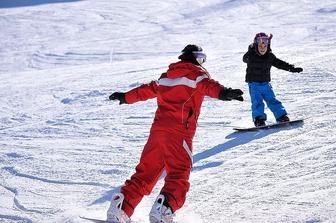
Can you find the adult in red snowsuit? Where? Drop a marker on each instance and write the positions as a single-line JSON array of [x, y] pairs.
[[180, 93]]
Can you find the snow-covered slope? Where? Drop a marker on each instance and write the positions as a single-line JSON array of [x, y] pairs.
[[65, 148]]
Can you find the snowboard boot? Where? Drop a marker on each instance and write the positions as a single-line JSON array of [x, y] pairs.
[[115, 214], [258, 121], [283, 118], [161, 213]]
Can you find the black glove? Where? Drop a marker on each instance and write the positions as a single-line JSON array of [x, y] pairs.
[[240, 98], [295, 69], [227, 94], [118, 96]]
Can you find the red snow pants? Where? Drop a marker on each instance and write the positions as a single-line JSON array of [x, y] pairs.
[[163, 151]]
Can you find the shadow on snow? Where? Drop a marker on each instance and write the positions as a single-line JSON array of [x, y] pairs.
[[24, 3], [106, 197], [236, 139], [15, 218]]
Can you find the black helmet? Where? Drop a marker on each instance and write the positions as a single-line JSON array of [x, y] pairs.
[[193, 54], [190, 48]]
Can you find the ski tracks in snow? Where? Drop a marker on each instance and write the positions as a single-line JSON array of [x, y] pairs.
[[65, 147]]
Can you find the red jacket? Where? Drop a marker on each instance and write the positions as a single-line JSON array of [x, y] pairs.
[[180, 93]]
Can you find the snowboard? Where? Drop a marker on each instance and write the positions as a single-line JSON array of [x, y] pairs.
[[96, 220], [274, 125]]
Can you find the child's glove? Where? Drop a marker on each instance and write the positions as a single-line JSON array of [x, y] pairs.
[[295, 69], [118, 96], [227, 94]]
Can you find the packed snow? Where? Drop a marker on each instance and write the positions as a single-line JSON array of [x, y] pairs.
[[65, 148]]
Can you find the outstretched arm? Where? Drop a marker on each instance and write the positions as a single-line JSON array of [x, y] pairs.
[[141, 93], [280, 64], [213, 89]]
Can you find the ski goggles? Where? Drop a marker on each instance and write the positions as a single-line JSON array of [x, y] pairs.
[[264, 40], [199, 56]]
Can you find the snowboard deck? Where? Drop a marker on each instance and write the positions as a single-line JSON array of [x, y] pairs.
[[96, 220], [274, 125]]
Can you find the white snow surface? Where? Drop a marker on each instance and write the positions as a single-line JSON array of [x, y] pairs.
[[65, 148]]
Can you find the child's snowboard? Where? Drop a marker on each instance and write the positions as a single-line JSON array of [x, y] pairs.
[[274, 125]]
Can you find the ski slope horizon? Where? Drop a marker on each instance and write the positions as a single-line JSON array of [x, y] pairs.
[[65, 148]]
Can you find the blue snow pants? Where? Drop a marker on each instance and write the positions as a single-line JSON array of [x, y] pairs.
[[260, 92]]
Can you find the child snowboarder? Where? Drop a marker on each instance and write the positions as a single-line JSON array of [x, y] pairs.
[[180, 93], [260, 59]]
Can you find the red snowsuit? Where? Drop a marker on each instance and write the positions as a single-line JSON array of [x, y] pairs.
[[180, 93]]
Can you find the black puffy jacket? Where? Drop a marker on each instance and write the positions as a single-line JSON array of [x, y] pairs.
[[259, 66]]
